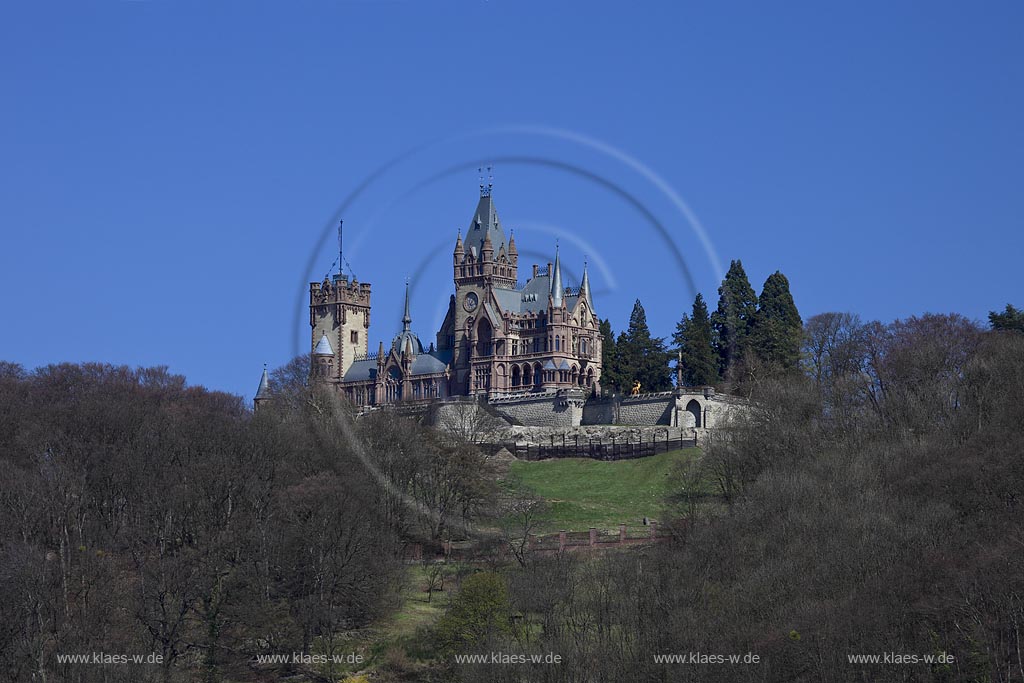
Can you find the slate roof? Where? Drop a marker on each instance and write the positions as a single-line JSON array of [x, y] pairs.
[[422, 364], [398, 343], [485, 222], [264, 389], [323, 347], [361, 370]]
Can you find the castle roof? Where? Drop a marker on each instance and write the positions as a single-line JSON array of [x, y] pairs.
[[557, 290], [422, 364], [323, 347], [484, 224], [263, 391], [585, 286], [532, 298]]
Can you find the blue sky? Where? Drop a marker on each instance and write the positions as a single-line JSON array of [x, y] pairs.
[[171, 169]]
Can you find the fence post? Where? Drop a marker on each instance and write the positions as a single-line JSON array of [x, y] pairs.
[[622, 534], [561, 541], [593, 537]]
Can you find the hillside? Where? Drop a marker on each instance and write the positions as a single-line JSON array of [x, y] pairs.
[[584, 493]]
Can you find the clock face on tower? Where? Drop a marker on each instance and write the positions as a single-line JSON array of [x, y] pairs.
[[470, 302]]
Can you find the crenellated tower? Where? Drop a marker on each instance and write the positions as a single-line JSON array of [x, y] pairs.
[[339, 311]]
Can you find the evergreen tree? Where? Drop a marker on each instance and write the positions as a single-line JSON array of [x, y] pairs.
[[693, 343], [641, 357], [737, 307], [778, 329], [1010, 319], [610, 376]]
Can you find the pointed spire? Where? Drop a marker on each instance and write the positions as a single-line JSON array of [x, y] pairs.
[[512, 243], [458, 244], [406, 319], [408, 347], [585, 285], [264, 389], [556, 281], [323, 347]]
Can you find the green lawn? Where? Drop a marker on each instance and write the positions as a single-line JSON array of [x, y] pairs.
[[584, 493]]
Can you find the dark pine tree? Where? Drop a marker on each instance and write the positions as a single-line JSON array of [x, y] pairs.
[[737, 307], [642, 358], [611, 379], [1010, 319], [778, 329], [694, 346]]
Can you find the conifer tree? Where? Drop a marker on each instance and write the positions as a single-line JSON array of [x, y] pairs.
[[693, 342], [1010, 319], [778, 329], [610, 377], [641, 357], [737, 307]]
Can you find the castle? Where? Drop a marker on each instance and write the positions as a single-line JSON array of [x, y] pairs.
[[498, 338], [531, 351]]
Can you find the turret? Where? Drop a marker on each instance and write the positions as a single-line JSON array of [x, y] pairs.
[[263, 395], [323, 359], [487, 250], [459, 250], [557, 290], [585, 287]]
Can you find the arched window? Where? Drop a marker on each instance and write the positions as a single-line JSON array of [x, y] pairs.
[[557, 343], [484, 334]]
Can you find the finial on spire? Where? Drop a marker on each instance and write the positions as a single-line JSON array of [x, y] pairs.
[[485, 190], [556, 280], [406, 319]]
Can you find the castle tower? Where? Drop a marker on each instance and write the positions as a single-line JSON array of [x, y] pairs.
[[340, 311], [263, 395]]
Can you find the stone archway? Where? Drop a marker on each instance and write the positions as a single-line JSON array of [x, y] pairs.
[[694, 408]]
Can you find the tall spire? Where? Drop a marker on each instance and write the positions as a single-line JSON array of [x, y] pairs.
[[264, 389], [406, 319], [556, 281], [585, 285]]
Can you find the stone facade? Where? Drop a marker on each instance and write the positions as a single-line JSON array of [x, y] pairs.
[[562, 408], [532, 349]]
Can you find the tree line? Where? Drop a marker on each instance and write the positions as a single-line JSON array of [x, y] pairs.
[[140, 515], [745, 337], [869, 503]]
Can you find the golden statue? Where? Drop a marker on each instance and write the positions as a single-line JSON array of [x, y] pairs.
[[636, 388]]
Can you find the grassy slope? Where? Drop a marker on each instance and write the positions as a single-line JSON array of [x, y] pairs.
[[586, 493]]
